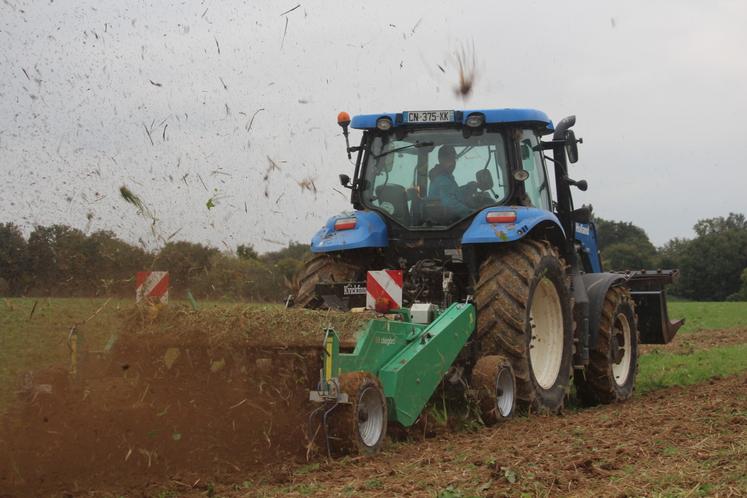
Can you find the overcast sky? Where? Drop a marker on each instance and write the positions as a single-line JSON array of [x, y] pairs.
[[658, 88]]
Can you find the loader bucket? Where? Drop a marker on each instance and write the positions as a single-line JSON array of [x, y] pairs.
[[650, 296]]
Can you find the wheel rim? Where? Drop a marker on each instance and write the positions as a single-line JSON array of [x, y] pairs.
[[370, 416], [504, 386], [621, 369], [546, 343]]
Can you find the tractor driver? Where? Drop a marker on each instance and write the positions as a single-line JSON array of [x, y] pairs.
[[444, 187]]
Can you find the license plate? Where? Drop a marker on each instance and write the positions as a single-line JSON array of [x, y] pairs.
[[429, 116]]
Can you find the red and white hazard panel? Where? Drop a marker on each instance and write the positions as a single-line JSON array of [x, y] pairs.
[[152, 286], [384, 290]]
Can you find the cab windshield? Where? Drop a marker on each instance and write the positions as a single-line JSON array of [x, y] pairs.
[[434, 177]]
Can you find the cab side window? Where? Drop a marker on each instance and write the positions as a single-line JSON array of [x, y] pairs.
[[536, 186]]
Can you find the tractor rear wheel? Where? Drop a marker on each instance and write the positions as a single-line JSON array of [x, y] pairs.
[[493, 379], [524, 313], [359, 426], [613, 363], [321, 268]]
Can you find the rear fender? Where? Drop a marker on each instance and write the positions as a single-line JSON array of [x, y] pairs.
[[370, 231], [527, 220], [597, 285], [647, 291]]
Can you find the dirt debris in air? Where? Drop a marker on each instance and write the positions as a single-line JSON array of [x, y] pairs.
[[250, 325], [466, 59], [182, 395]]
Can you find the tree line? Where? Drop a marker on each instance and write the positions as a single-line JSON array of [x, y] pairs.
[[62, 261], [713, 264]]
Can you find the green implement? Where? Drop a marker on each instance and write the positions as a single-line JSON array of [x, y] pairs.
[[402, 361]]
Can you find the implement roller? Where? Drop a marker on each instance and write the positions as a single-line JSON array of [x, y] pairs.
[[395, 368]]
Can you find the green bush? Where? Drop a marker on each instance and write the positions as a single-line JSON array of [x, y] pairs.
[[227, 277]]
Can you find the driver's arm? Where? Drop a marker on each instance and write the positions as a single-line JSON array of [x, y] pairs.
[[451, 197]]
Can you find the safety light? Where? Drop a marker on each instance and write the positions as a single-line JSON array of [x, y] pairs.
[[343, 119], [475, 120], [345, 223], [501, 217], [384, 124]]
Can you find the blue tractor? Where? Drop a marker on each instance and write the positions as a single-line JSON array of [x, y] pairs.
[[461, 202]]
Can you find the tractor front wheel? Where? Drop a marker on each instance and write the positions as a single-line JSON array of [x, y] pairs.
[[524, 313], [493, 379], [613, 363]]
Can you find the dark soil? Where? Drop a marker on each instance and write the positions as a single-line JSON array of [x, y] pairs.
[[181, 396], [194, 403], [696, 341], [674, 442]]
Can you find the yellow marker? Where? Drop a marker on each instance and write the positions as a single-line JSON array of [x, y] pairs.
[[328, 360]]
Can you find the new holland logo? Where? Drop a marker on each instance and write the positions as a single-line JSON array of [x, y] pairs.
[[353, 290], [582, 229]]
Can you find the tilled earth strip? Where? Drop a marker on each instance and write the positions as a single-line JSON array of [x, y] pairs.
[[677, 440], [183, 403], [699, 340]]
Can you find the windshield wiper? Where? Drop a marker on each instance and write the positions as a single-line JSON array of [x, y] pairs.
[[416, 144]]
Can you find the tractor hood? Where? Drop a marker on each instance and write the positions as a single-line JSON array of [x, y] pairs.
[[354, 230]]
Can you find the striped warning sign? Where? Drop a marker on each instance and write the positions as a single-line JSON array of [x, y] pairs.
[[384, 290], [152, 286]]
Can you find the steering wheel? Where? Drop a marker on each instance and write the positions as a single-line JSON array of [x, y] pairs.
[[480, 199], [473, 197]]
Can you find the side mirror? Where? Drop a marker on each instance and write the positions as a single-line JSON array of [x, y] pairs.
[[345, 181], [571, 146], [582, 185]]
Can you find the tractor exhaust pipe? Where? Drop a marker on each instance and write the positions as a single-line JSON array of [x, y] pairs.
[[563, 125]]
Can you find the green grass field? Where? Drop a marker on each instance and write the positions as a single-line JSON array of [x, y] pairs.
[[36, 341], [709, 316], [658, 370]]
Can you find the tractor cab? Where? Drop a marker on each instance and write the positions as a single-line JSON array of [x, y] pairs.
[[430, 170]]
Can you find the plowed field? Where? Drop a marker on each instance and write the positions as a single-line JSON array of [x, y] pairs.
[[679, 441], [213, 405]]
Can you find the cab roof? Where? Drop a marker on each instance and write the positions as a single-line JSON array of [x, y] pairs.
[[492, 116]]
